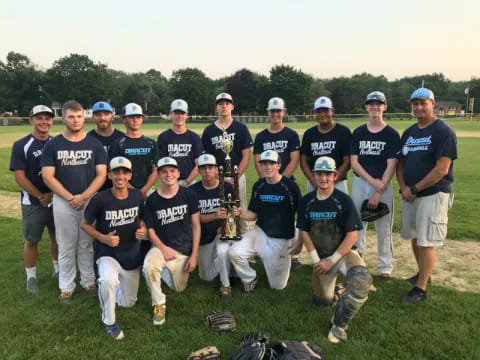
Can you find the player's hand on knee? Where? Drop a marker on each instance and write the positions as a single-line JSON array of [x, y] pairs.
[[191, 264], [168, 253], [323, 266], [112, 239]]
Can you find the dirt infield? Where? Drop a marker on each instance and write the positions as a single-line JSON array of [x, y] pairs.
[[456, 259]]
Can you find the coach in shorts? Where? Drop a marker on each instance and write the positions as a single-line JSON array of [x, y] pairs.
[[425, 175]]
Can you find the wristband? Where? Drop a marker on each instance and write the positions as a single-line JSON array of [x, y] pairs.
[[335, 257], [314, 256]]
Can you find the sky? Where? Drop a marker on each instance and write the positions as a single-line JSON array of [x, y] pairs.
[[323, 38]]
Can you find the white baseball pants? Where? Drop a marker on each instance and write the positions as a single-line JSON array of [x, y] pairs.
[[213, 260]]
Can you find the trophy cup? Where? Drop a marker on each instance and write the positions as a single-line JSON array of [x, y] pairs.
[[230, 229]]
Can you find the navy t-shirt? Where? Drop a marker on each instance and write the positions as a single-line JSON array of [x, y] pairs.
[[172, 218], [143, 154], [106, 141], [283, 142], [275, 206], [107, 214], [74, 162], [209, 203], [421, 148], [374, 149], [26, 155], [328, 221], [237, 132], [335, 143], [184, 148]]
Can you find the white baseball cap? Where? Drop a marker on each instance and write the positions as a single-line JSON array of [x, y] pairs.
[[38, 109], [167, 161], [276, 103], [323, 102], [422, 93], [120, 162], [325, 163], [180, 105], [270, 155], [224, 96], [206, 159], [132, 109]]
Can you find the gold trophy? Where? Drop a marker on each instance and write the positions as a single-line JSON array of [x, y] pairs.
[[230, 229]]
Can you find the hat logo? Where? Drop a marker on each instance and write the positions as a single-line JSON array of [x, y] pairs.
[[322, 101], [179, 103], [275, 102], [101, 106], [205, 158], [267, 154]]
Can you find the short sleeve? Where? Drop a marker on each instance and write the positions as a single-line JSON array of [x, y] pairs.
[[17, 159], [448, 145], [197, 146], [91, 212], [294, 142], [48, 158], [302, 220], [149, 213]]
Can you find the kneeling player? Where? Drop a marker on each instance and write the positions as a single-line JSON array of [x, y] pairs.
[[329, 225], [213, 257], [273, 205], [173, 223], [118, 217]]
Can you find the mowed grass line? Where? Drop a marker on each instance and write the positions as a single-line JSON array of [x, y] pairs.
[[39, 327]]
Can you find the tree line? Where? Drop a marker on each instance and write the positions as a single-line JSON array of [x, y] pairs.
[[23, 85]]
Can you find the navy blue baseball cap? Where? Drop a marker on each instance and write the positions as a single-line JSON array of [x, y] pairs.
[[102, 106]]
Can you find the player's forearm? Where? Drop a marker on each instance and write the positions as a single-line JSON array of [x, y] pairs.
[[389, 171], [206, 218], [55, 185], [343, 169], [242, 167], [256, 158], [347, 243], [307, 240], [306, 169], [94, 186], [292, 165], [91, 231], [248, 215], [435, 175], [400, 176], [151, 180], [155, 240], [360, 171], [192, 176], [196, 231], [25, 184]]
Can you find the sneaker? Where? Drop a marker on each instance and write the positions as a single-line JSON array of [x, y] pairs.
[[91, 290], [65, 297], [249, 287], [225, 292], [55, 275], [414, 296], [115, 331], [413, 280], [296, 264], [32, 285], [337, 334], [159, 314]]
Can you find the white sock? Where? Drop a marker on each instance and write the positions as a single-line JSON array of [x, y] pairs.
[[31, 272], [55, 265]]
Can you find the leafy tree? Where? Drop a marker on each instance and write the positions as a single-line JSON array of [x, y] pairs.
[[243, 87], [193, 86]]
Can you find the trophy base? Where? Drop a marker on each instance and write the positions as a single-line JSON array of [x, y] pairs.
[[231, 238]]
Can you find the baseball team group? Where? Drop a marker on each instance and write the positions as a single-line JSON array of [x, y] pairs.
[[129, 204]]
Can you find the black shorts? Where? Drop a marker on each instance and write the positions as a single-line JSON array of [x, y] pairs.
[[35, 218]]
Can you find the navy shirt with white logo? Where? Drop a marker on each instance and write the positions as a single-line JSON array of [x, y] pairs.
[[284, 142], [328, 221], [172, 218], [374, 149], [335, 143], [106, 141], [209, 203], [107, 214], [237, 132], [275, 206], [26, 155], [184, 148], [75, 162], [143, 154], [421, 148]]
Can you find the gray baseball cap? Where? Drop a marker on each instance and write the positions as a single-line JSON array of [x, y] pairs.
[[167, 161], [38, 109], [120, 162]]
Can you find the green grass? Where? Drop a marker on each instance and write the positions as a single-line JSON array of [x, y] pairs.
[[39, 327]]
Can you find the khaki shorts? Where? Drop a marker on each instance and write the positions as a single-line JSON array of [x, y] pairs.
[[426, 219]]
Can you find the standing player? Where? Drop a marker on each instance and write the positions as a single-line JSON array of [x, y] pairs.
[[374, 158], [238, 133], [36, 197], [142, 153], [173, 223], [74, 168], [104, 130], [114, 217], [213, 257], [329, 225], [328, 138], [425, 175], [180, 143], [279, 138], [273, 205]]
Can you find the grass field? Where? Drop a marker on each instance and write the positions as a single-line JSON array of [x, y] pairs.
[[38, 327]]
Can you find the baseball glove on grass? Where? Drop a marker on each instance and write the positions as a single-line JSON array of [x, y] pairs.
[[220, 321], [370, 215], [206, 353]]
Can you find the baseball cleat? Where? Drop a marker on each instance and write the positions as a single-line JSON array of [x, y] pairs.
[[159, 314], [32, 285], [414, 296], [225, 292], [65, 297], [115, 331], [91, 290], [413, 280], [249, 287], [337, 334]]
